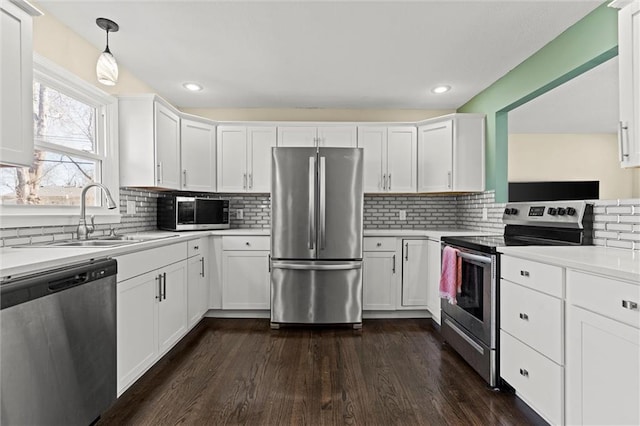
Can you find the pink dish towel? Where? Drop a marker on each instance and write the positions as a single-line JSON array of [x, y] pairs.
[[450, 276]]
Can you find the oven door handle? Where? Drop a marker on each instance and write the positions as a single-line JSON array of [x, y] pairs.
[[475, 257]]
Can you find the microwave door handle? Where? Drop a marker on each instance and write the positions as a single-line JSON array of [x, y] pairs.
[[312, 202], [474, 257]]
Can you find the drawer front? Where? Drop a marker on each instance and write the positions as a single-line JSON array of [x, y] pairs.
[[615, 299], [246, 243], [196, 247], [134, 264], [534, 318], [538, 276], [379, 244], [536, 379]]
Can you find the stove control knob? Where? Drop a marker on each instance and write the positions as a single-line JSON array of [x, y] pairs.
[[571, 211], [562, 211], [552, 211]]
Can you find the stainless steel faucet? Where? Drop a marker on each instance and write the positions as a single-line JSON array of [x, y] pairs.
[[85, 230]]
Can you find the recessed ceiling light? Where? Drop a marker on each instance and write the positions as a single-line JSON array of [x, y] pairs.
[[441, 89], [194, 87]]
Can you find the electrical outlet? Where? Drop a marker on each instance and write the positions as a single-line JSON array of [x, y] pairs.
[[402, 214], [485, 216], [239, 214], [131, 207]]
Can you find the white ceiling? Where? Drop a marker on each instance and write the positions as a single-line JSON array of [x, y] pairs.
[[322, 54], [585, 104]]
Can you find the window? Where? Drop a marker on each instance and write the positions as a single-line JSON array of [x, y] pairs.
[[75, 143]]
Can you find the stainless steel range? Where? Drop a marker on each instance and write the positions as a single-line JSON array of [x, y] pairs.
[[471, 326]]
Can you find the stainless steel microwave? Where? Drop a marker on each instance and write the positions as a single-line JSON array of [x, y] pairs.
[[176, 213]]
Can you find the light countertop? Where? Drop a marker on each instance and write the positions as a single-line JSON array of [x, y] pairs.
[[616, 263], [429, 233]]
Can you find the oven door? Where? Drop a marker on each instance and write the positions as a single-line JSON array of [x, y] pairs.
[[476, 303]]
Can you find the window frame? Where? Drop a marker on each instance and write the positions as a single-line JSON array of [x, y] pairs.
[[106, 106]]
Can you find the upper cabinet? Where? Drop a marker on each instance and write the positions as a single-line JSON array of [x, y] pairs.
[[389, 158], [323, 137], [451, 154], [16, 82], [629, 70], [244, 158], [198, 147], [149, 142]]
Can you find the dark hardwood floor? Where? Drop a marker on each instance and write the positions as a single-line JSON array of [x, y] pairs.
[[393, 372]]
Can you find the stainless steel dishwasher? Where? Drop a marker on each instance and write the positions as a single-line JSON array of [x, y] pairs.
[[58, 345]]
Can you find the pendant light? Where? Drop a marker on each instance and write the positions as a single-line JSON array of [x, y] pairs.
[[107, 67]]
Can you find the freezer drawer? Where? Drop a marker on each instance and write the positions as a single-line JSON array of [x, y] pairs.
[[316, 292]]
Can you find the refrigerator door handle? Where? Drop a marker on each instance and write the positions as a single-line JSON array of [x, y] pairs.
[[312, 202], [314, 267], [323, 202]]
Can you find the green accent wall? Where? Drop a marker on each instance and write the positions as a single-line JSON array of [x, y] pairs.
[[588, 43]]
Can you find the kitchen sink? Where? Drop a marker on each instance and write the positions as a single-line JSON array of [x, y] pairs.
[[94, 243]]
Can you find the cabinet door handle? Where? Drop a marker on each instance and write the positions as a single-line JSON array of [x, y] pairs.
[[628, 304], [524, 372], [159, 280], [622, 131], [250, 180], [164, 286], [244, 181], [384, 181], [406, 251], [449, 180], [184, 176], [159, 170], [524, 273], [389, 186], [269, 263], [393, 269], [202, 264], [524, 317]]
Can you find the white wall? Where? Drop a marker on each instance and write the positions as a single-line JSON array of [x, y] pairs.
[[534, 157]]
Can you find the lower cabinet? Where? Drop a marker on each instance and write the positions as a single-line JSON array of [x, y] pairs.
[[433, 278], [245, 273], [379, 274], [198, 280], [603, 350], [151, 318], [414, 273]]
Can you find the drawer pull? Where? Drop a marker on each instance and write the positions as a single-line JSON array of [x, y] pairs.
[[524, 317], [378, 244], [196, 247], [524, 372], [247, 243], [524, 273], [628, 304]]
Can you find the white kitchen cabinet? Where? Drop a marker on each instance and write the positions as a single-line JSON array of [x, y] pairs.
[[629, 81], [532, 334], [244, 158], [149, 130], [198, 285], [198, 149], [16, 82], [434, 265], [603, 350], [390, 155], [380, 274], [323, 137], [451, 154], [151, 308], [414, 273], [245, 273]]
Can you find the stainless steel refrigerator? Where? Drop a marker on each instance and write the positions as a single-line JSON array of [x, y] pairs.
[[316, 236]]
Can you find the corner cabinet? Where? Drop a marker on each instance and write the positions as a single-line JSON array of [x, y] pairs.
[[198, 155], [451, 154], [16, 82], [389, 158], [244, 158], [629, 72], [149, 142]]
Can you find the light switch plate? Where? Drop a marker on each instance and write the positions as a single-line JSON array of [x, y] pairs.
[[131, 207], [402, 214], [239, 214]]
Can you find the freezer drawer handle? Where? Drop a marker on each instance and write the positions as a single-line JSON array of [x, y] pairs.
[[309, 267], [628, 304]]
